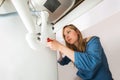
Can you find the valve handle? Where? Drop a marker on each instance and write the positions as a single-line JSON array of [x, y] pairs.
[[49, 40]]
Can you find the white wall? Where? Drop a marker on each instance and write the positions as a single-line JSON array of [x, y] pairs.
[[17, 60], [102, 20]]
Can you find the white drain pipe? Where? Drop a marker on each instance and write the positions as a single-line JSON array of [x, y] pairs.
[[23, 10], [24, 13]]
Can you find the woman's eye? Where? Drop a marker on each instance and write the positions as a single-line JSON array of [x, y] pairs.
[[68, 32]]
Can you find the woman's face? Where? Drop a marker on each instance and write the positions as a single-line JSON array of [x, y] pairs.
[[71, 35]]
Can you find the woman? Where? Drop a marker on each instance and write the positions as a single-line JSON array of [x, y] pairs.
[[87, 54]]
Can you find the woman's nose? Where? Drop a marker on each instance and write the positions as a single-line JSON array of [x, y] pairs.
[[67, 37]]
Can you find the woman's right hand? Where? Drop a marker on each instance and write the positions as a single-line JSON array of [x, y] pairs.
[[53, 44]]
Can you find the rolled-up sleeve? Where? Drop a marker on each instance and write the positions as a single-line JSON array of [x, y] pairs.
[[89, 59]]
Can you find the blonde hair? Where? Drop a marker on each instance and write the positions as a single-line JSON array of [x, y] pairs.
[[81, 42]]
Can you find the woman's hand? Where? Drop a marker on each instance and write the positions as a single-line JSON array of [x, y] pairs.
[[53, 44]]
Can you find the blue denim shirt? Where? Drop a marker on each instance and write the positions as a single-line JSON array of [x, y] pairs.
[[91, 64]]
